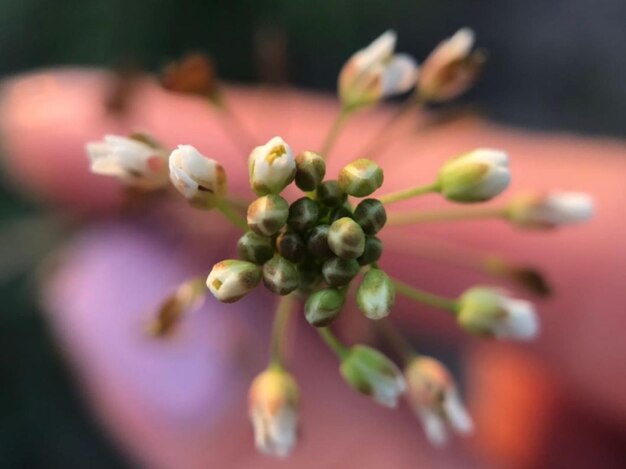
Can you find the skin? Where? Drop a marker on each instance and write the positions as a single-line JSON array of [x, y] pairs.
[[575, 366]]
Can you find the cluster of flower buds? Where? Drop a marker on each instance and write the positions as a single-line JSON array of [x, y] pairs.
[[317, 244]]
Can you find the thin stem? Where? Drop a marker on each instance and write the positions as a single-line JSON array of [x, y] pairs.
[[409, 193], [237, 132], [281, 319], [333, 342], [408, 218], [425, 297], [384, 135], [396, 340], [232, 216], [334, 131]]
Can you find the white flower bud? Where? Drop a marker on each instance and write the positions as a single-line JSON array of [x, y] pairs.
[[132, 161], [376, 72], [371, 373], [489, 311], [550, 210], [201, 180], [451, 68], [273, 402], [434, 398], [475, 176], [272, 167], [231, 280]]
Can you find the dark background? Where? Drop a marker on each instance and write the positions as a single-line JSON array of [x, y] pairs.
[[554, 64]]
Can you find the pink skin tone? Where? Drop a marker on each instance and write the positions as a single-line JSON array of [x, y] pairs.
[[179, 404]]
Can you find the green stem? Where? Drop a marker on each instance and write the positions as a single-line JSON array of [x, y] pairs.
[[396, 340], [425, 297], [333, 342], [232, 216], [281, 319], [334, 131], [409, 193], [412, 217], [237, 132], [384, 135]]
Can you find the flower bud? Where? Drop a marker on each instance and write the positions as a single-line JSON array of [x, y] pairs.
[[475, 176], [371, 215], [490, 312], [330, 194], [550, 210], [340, 212], [201, 180], [134, 162], [338, 272], [255, 248], [317, 244], [231, 280], [451, 68], [188, 297], [324, 306], [434, 398], [360, 178], [273, 401], [372, 252], [346, 238], [291, 246], [268, 214], [280, 276], [310, 170], [371, 373], [272, 167], [376, 72], [376, 294], [303, 214]]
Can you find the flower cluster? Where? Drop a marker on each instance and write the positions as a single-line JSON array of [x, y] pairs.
[[311, 249]]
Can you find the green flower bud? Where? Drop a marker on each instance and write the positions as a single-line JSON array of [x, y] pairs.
[[330, 194], [360, 178], [291, 246], [303, 214], [346, 238], [338, 272], [323, 306], [371, 215], [376, 294], [272, 167], [310, 170], [268, 214], [255, 248], [372, 252], [371, 373], [280, 276], [231, 280], [317, 244]]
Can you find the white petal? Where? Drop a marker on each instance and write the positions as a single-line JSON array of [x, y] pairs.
[[378, 51], [569, 207], [399, 75], [434, 427], [520, 323], [457, 414], [461, 43]]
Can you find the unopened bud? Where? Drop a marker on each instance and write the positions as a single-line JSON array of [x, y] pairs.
[[273, 401], [371, 373], [303, 214], [371, 215], [200, 179], [268, 214], [323, 306], [310, 170], [340, 212], [330, 194], [372, 252], [550, 210], [255, 248], [338, 272], [231, 280], [317, 244], [475, 176], [346, 238], [280, 276], [272, 167], [291, 246], [188, 297], [376, 294], [360, 178]]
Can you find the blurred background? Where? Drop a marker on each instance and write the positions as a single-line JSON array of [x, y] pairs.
[[554, 66]]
